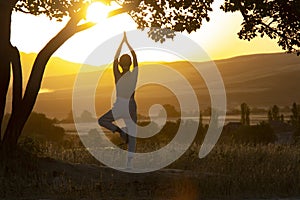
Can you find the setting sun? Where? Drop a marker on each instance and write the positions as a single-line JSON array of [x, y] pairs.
[[97, 12]]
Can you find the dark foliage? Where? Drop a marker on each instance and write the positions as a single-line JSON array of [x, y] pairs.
[[277, 19], [261, 133], [40, 126], [166, 16], [51, 8]]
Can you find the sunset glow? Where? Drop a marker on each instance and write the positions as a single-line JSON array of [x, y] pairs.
[[97, 12], [218, 37]]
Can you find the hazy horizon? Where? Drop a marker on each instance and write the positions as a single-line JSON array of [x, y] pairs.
[[158, 61], [248, 78]]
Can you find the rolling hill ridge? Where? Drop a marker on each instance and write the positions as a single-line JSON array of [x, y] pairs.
[[260, 80]]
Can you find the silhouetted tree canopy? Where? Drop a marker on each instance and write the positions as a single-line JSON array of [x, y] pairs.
[[166, 16], [51, 8], [163, 17], [278, 19]]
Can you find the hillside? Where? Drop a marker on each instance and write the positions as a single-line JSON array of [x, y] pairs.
[[259, 80], [55, 67]]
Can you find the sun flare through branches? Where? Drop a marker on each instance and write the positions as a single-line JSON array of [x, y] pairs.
[[97, 12]]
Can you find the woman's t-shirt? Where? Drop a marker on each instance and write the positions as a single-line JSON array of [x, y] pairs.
[[125, 86]]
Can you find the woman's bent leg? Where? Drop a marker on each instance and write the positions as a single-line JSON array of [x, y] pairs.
[[106, 121]]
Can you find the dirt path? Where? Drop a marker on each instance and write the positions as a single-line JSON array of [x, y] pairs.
[[62, 180]]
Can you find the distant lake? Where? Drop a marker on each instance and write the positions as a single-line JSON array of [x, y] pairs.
[[85, 128]]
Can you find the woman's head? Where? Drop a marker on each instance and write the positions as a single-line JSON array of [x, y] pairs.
[[125, 62]]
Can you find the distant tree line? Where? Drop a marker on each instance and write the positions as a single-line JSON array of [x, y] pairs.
[[40, 127], [265, 131]]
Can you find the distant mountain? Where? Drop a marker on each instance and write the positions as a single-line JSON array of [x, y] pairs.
[[260, 80], [55, 67]]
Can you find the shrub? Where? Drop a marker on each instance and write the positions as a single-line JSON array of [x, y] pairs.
[[40, 126], [261, 133]]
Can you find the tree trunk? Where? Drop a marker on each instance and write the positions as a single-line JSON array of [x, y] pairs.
[[5, 21], [21, 113], [17, 78]]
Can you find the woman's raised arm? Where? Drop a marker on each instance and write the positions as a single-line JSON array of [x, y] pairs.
[[134, 58]]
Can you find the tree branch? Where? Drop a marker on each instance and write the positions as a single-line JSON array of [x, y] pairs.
[[283, 36], [85, 26], [20, 116]]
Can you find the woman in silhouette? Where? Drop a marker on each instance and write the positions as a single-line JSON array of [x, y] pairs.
[[125, 105]]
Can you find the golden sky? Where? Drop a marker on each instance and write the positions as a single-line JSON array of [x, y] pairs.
[[218, 37]]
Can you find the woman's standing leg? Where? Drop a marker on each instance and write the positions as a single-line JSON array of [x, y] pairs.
[[132, 132]]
